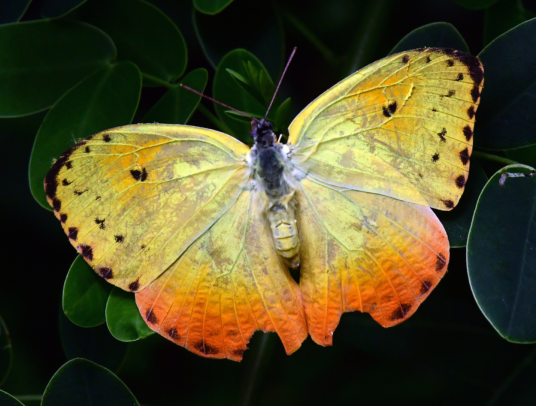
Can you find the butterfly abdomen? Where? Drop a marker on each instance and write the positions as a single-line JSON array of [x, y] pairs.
[[272, 174]]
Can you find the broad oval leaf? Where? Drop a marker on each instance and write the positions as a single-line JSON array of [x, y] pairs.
[[501, 253], [123, 317], [58, 8], [6, 352], [142, 34], [261, 33], [12, 10], [41, 60], [95, 344], [108, 98], [440, 35], [85, 295], [475, 4], [457, 222], [506, 118], [228, 91], [177, 105], [211, 6], [82, 382], [503, 16], [7, 400]]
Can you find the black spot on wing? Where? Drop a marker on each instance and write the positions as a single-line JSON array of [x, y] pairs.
[[435, 157], [460, 181], [475, 92], [139, 175], [460, 77], [86, 251], [134, 286], [401, 312], [434, 109], [101, 223], [106, 273], [205, 348], [73, 233], [405, 59], [87, 150], [449, 204], [173, 333], [106, 138], [442, 134], [471, 112], [63, 217], [119, 238], [56, 204], [392, 107], [51, 179], [428, 59], [464, 156], [386, 112], [440, 262], [80, 192], [451, 93], [69, 164], [450, 62], [151, 317], [467, 132], [425, 287], [65, 182]]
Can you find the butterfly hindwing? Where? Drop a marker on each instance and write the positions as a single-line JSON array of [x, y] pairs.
[[132, 199], [367, 252], [228, 284], [401, 127]]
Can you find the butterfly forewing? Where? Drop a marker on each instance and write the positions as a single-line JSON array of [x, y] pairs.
[[132, 199], [401, 127]]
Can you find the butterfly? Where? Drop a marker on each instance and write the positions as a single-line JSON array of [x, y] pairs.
[[204, 228]]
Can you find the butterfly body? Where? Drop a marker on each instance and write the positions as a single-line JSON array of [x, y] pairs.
[[204, 228]]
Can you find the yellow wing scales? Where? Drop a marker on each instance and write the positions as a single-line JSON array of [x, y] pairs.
[[401, 127], [226, 286], [132, 199], [367, 252]]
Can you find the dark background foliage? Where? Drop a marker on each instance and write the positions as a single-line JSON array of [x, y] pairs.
[[447, 353]]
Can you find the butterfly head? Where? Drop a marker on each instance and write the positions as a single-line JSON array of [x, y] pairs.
[[261, 131]]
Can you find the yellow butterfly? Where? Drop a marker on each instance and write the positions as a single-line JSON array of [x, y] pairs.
[[203, 228]]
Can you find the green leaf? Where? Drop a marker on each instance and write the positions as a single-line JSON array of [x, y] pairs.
[[475, 4], [457, 222], [95, 344], [178, 104], [58, 8], [211, 6], [282, 116], [226, 89], [41, 60], [12, 10], [142, 34], [6, 352], [506, 118], [525, 155], [503, 16], [85, 295], [440, 35], [123, 317], [222, 33], [82, 382], [108, 98], [7, 400], [501, 254]]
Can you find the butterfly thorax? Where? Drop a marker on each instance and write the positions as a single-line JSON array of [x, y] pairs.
[[272, 179]]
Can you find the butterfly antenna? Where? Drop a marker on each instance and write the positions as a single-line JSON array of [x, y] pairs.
[[280, 80], [215, 101]]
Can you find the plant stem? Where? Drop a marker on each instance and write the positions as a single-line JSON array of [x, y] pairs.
[[313, 39], [220, 125], [494, 158], [254, 372], [508, 381], [156, 80]]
